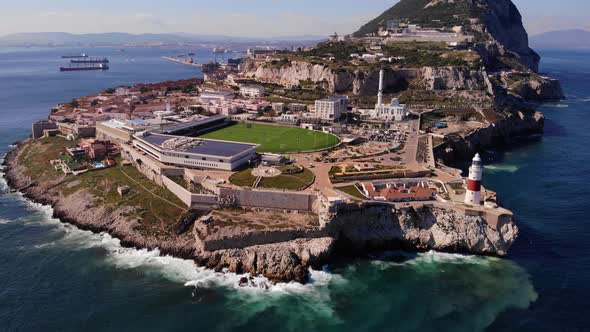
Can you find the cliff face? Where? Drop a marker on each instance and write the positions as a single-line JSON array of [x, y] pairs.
[[540, 89], [427, 228], [286, 254], [365, 83], [499, 133], [503, 22]]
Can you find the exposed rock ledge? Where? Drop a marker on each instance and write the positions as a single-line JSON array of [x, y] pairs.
[[352, 228]]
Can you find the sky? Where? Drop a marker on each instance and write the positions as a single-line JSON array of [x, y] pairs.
[[247, 18]]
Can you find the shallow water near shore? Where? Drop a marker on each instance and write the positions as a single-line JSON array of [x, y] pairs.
[[56, 277]]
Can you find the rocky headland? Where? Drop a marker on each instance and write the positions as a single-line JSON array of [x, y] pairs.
[[279, 252]]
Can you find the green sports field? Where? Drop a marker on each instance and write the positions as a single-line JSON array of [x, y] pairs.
[[275, 139]]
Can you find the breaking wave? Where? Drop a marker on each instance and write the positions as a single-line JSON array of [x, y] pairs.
[[170, 268]]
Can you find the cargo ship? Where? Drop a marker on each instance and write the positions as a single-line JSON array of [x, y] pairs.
[[90, 60], [73, 67], [74, 56]]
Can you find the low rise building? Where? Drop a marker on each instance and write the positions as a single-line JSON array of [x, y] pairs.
[[252, 90], [399, 192], [390, 112]]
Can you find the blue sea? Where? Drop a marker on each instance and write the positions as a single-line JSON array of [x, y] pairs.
[[54, 277]]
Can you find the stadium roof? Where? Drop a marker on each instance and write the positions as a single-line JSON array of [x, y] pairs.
[[198, 145], [192, 124]]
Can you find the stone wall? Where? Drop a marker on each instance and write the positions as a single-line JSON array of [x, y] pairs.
[[269, 199]]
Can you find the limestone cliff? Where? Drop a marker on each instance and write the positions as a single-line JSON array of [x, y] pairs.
[[286, 254], [365, 83], [500, 133], [381, 226]]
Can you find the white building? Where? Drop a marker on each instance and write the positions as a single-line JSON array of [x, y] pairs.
[[252, 90], [386, 112], [191, 152], [330, 109], [289, 118], [390, 112]]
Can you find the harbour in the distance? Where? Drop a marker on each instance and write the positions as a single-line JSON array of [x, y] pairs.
[[88, 281]]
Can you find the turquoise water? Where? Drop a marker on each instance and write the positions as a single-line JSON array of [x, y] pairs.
[[56, 277]]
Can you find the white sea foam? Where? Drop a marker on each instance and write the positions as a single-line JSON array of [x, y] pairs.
[[171, 268], [431, 257], [502, 168]]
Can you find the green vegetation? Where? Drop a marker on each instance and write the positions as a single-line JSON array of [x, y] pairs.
[[290, 180], [37, 154], [298, 94], [275, 139], [352, 191], [411, 54], [243, 178], [155, 205], [445, 14], [430, 54], [157, 208]]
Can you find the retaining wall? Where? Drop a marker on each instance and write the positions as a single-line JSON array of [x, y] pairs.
[[270, 199]]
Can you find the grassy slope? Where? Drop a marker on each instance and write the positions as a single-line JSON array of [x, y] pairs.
[[297, 181], [276, 139], [157, 215]]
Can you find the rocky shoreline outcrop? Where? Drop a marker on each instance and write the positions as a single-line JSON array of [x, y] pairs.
[[288, 255]]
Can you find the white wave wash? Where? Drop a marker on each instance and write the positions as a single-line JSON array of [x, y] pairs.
[[171, 268], [502, 168], [430, 257]]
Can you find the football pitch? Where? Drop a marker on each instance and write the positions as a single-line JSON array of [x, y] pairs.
[[275, 139]]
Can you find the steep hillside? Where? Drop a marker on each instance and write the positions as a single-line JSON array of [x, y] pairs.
[[496, 25], [436, 14]]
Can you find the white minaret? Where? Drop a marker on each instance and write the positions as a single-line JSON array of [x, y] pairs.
[[168, 107], [380, 94], [473, 195]]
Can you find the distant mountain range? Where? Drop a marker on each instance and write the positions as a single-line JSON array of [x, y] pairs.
[[566, 39], [119, 38]]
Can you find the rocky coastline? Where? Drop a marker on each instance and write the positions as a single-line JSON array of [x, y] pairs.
[[285, 255]]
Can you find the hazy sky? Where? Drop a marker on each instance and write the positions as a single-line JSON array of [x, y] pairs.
[[254, 18]]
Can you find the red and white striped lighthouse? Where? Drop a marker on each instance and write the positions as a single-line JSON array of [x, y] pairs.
[[473, 195]]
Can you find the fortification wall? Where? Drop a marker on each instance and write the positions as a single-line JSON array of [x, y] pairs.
[[269, 199]]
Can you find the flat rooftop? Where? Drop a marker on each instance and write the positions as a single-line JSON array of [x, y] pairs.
[[333, 98], [192, 124], [196, 145]]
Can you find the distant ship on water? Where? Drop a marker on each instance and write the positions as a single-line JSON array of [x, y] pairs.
[[90, 60], [85, 66], [74, 56]]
